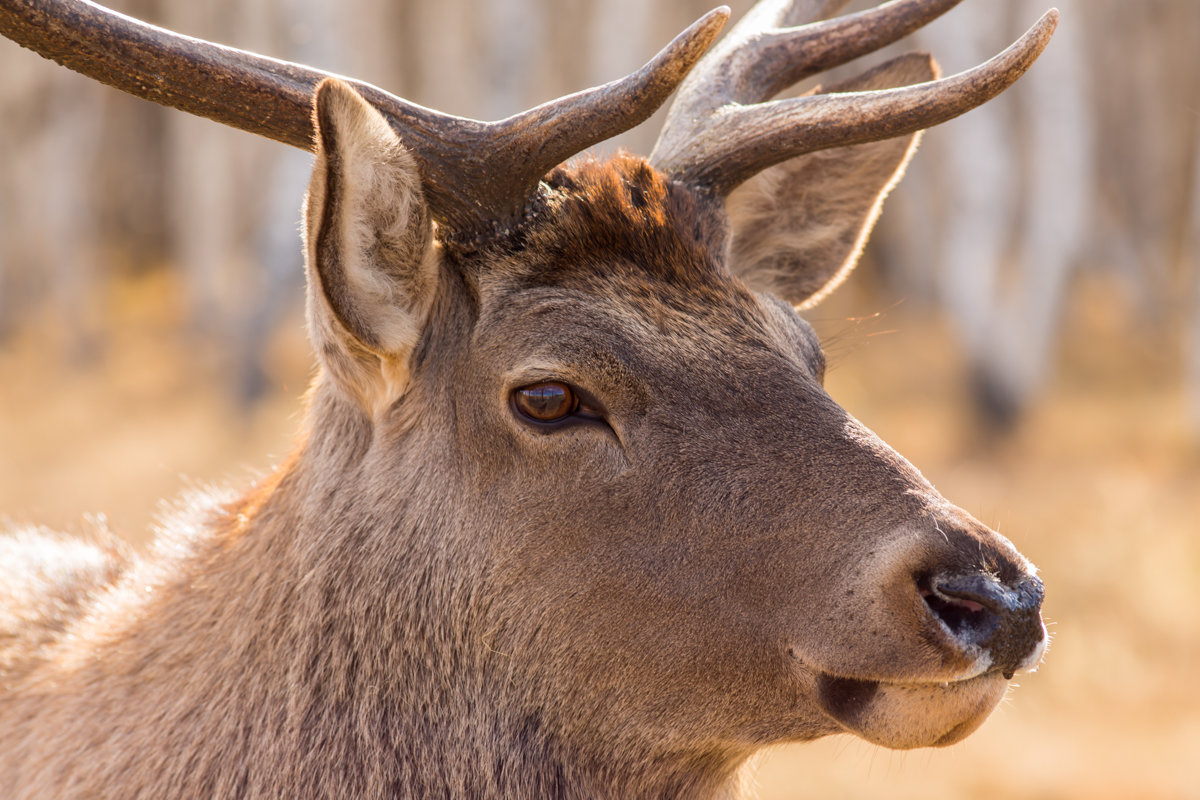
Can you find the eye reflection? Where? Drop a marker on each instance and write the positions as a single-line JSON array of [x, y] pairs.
[[545, 402]]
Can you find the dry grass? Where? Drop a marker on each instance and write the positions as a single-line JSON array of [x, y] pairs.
[[148, 417], [1098, 487]]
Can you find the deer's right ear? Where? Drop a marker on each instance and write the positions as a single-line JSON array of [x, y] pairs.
[[372, 268]]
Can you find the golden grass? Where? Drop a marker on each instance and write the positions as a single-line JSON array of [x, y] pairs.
[[1098, 486], [117, 435]]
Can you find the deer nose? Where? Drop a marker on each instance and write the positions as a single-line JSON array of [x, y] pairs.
[[981, 611]]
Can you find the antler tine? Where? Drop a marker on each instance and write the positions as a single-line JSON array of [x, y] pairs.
[[735, 142], [533, 142], [767, 14], [792, 54], [771, 49], [478, 176]]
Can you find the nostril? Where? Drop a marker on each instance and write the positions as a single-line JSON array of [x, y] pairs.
[[964, 615], [980, 611]]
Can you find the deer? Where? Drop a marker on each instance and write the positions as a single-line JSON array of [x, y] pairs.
[[571, 513]]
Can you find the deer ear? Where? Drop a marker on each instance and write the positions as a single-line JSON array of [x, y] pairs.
[[372, 267], [799, 227]]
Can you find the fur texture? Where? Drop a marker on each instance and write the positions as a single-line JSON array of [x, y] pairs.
[[438, 597]]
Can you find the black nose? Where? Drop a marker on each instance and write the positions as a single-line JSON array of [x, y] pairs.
[[981, 611]]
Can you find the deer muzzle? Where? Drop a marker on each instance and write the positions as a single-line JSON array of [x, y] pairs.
[[955, 616]]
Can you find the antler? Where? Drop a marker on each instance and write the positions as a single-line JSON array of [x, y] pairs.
[[720, 132], [478, 176]]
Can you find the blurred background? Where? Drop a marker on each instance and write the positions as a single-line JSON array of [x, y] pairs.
[[1025, 326]]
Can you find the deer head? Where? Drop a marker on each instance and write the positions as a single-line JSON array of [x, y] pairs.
[[569, 442]]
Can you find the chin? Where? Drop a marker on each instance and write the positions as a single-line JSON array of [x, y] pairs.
[[907, 715]]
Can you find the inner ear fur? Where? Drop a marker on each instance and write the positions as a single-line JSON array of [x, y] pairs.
[[799, 227], [372, 267]]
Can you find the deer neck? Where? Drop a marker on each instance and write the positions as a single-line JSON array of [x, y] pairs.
[[386, 621], [303, 641]]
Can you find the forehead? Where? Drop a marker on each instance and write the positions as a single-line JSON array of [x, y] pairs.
[[617, 249], [621, 231]]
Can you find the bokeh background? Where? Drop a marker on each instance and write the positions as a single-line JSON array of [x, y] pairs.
[[1025, 326]]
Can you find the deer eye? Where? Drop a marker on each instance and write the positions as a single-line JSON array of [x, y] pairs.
[[546, 402]]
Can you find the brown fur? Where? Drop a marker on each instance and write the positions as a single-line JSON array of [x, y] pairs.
[[435, 597]]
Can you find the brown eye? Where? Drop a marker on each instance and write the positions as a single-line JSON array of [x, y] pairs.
[[546, 402]]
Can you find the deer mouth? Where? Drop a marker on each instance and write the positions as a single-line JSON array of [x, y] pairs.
[[903, 715]]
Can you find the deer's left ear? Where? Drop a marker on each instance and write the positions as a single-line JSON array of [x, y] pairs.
[[799, 227], [372, 266]]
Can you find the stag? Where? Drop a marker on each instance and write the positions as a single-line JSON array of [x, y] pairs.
[[571, 514]]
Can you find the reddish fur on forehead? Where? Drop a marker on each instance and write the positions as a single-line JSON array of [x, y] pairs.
[[623, 212]]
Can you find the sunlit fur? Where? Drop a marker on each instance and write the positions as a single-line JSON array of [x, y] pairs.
[[435, 597]]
